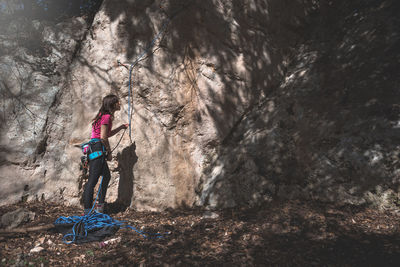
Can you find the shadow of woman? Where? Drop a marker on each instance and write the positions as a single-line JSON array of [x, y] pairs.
[[126, 160]]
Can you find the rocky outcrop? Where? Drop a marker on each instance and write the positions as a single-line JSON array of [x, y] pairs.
[[210, 65], [35, 58], [233, 103], [330, 130]]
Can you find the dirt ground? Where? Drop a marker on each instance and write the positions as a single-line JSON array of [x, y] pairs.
[[276, 234]]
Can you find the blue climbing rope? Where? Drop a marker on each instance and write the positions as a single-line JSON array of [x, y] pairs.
[[133, 64], [94, 220], [82, 225]]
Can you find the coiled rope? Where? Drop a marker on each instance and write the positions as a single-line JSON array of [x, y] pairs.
[[82, 225], [94, 220]]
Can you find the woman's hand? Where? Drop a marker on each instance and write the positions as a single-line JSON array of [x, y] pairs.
[[119, 128]]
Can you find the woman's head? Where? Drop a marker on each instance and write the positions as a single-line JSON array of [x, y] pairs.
[[109, 105]]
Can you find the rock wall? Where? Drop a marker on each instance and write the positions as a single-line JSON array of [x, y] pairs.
[[330, 130], [211, 65], [235, 103], [35, 58]]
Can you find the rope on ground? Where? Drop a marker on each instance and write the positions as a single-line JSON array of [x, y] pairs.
[[94, 220], [82, 225]]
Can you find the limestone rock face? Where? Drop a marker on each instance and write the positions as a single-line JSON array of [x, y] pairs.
[[330, 130], [199, 68], [232, 103], [208, 66], [34, 61]]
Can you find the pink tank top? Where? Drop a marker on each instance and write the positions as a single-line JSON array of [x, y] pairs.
[[96, 128]]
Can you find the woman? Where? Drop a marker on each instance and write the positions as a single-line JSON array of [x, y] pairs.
[[101, 131]]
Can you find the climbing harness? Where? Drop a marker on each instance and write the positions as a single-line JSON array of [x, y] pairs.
[[87, 149], [82, 226], [89, 155], [94, 225], [84, 165]]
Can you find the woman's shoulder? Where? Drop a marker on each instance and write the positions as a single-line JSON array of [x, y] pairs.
[[105, 115], [106, 118]]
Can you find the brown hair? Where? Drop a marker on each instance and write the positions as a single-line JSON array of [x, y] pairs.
[[107, 107]]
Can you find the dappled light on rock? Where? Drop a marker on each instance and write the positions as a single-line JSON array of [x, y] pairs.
[[231, 103], [261, 132]]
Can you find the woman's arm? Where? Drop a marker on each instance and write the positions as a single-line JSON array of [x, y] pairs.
[[116, 130], [104, 140]]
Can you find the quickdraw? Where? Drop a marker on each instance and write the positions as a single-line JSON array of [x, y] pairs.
[[84, 165]]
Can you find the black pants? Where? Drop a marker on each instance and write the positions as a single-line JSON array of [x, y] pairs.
[[97, 167]]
